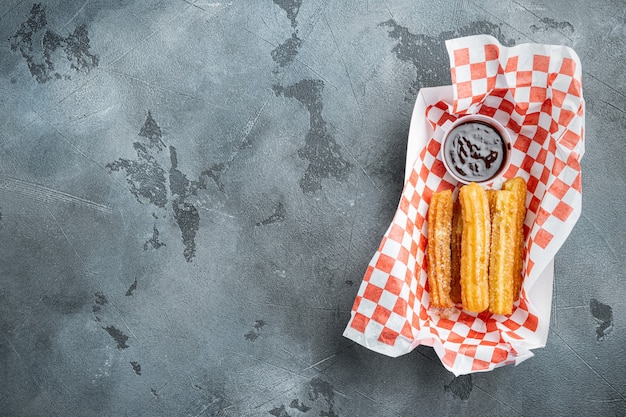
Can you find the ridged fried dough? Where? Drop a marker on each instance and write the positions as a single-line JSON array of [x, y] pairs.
[[503, 245], [438, 252], [475, 247], [517, 186]]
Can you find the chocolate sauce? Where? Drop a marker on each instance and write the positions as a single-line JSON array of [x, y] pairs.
[[475, 151]]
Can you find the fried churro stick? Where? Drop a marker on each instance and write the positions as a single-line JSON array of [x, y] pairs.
[[455, 248], [503, 245], [517, 185], [475, 247], [439, 225]]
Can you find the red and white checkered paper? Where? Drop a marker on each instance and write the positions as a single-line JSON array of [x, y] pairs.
[[535, 91]]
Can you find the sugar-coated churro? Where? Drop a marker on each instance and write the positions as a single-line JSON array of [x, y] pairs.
[[475, 247], [503, 245], [517, 185], [438, 252]]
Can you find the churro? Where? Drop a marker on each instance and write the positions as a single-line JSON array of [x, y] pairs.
[[517, 185], [439, 228], [475, 247], [503, 245]]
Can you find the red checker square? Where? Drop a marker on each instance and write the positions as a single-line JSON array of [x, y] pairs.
[[558, 97], [488, 111], [400, 307], [415, 199], [426, 194], [543, 238], [368, 273], [514, 126], [522, 143], [511, 325], [558, 188], [422, 244], [506, 106], [455, 338], [411, 301], [407, 331], [575, 88], [423, 313], [527, 163], [453, 75], [359, 322], [468, 350], [461, 57], [357, 302], [413, 177], [396, 233], [524, 79], [578, 184], [445, 117], [540, 135], [388, 336], [438, 168], [479, 365], [423, 151], [552, 142], [531, 322], [511, 172], [419, 292], [466, 319], [445, 185], [446, 323], [473, 334], [491, 83], [511, 64], [521, 108], [492, 52], [568, 67], [403, 255], [449, 357], [569, 139], [572, 160], [372, 293], [424, 173], [491, 326], [558, 166], [433, 147], [385, 263], [541, 63], [464, 89], [531, 120], [531, 184], [562, 211], [541, 156], [542, 216], [529, 266], [478, 70], [414, 248], [566, 117], [545, 174], [534, 204], [499, 355], [537, 94], [419, 221], [394, 285], [489, 343], [381, 314], [404, 204]]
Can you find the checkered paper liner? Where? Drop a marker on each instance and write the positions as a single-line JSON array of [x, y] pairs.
[[535, 91]]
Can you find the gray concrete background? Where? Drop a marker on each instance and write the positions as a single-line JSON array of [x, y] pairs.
[[190, 192]]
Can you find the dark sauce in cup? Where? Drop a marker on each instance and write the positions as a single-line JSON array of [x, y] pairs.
[[475, 151]]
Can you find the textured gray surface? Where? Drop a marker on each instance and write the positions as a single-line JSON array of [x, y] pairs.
[[190, 192]]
